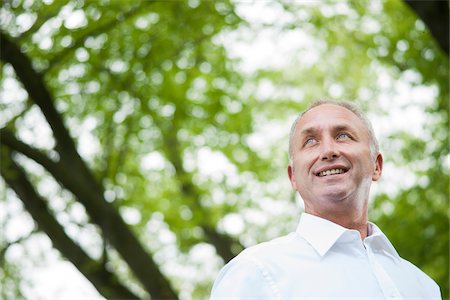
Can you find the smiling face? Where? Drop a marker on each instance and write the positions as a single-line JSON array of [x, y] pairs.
[[332, 166]]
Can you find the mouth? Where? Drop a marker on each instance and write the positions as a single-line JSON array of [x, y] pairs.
[[331, 172]]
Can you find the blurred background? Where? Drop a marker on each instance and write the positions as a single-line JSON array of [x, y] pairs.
[[144, 143]]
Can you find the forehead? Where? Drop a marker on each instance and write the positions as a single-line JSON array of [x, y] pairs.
[[330, 116]]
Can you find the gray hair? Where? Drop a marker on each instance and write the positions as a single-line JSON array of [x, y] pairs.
[[374, 148]]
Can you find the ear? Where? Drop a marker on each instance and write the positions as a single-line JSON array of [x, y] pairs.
[[290, 170], [378, 167]]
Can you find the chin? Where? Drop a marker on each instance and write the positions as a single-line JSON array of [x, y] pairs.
[[333, 195]]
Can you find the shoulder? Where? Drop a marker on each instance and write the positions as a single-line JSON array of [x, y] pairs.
[[259, 255], [248, 275], [424, 280], [276, 245]]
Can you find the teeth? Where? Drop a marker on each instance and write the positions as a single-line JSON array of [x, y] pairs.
[[331, 172]]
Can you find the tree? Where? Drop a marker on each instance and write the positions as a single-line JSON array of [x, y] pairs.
[[176, 52], [142, 121]]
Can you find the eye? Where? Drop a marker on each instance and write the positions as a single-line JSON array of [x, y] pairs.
[[310, 141], [342, 136]]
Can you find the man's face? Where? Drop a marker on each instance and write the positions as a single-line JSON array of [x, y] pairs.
[[332, 165]]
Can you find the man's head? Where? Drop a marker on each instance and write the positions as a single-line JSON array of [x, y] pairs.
[[374, 147], [333, 158]]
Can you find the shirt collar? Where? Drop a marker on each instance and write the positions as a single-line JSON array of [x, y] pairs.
[[380, 242], [322, 234]]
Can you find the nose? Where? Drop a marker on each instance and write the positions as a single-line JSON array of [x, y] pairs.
[[329, 150]]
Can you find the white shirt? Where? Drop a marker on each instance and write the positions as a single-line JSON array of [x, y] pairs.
[[323, 260]]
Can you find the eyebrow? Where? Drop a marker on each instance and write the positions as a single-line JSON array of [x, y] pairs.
[[308, 131], [313, 130], [344, 128]]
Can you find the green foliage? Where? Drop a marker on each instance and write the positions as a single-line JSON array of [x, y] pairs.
[[165, 118]]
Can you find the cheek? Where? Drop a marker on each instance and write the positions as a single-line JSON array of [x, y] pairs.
[[306, 157], [366, 162], [299, 165], [302, 167]]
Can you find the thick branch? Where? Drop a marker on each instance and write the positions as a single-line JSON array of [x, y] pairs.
[[103, 280], [34, 85], [79, 179], [104, 215], [435, 14], [8, 139]]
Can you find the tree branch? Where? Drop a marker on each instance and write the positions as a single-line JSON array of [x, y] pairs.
[[103, 280], [104, 215], [435, 14], [78, 178], [225, 246], [8, 139], [34, 84]]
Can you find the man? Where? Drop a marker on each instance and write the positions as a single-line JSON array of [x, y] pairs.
[[335, 252]]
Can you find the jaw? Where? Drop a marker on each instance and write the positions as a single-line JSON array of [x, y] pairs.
[[339, 193], [331, 189], [332, 194], [338, 197]]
